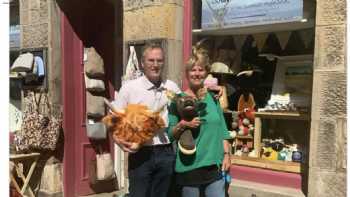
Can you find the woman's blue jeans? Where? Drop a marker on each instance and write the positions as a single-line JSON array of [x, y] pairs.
[[214, 189]]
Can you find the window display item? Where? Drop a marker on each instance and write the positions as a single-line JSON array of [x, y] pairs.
[[95, 107], [94, 85], [269, 154], [41, 67], [211, 83], [104, 166], [93, 66], [223, 98], [246, 122], [96, 130], [23, 63], [132, 70], [39, 131], [246, 101], [219, 67]]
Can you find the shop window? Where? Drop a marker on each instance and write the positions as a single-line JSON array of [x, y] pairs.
[[279, 53]]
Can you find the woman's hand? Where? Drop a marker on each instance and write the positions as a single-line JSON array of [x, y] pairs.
[[194, 123], [226, 163], [183, 124], [219, 90]]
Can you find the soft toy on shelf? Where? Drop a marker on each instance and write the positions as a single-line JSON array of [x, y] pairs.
[[246, 122], [269, 153]]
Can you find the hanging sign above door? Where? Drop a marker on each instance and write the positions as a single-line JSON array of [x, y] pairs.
[[242, 13]]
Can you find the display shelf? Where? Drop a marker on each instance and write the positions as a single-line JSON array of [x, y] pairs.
[[283, 115], [244, 137], [273, 115], [285, 166]]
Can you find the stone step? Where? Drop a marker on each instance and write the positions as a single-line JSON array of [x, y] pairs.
[[241, 188]]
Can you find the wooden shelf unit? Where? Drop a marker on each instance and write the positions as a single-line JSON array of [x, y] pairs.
[[273, 115]]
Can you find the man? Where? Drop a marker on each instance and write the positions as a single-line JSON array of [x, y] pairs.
[[151, 167]]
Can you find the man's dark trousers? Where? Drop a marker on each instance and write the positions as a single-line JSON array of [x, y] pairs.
[[150, 171]]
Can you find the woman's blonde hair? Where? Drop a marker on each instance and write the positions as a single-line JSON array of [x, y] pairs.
[[199, 55]]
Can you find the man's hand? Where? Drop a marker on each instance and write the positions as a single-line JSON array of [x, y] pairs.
[[126, 146]]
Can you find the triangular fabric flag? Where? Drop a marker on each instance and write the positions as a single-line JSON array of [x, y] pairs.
[[271, 46], [283, 38], [260, 40], [249, 51], [295, 45], [306, 35], [239, 40]]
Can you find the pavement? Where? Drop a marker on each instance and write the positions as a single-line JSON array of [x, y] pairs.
[[240, 188]]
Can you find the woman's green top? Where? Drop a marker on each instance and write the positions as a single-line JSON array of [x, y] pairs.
[[208, 137]]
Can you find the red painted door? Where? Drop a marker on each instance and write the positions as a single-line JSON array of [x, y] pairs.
[[94, 24]]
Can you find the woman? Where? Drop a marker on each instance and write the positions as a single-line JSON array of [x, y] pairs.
[[202, 171]]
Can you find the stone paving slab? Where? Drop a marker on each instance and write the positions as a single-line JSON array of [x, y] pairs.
[[240, 188]]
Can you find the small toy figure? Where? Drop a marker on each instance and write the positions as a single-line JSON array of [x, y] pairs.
[[246, 122], [187, 109]]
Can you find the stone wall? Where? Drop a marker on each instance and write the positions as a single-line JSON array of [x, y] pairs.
[[40, 28], [158, 19], [34, 23], [327, 164]]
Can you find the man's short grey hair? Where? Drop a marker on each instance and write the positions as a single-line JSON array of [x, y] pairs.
[[148, 46]]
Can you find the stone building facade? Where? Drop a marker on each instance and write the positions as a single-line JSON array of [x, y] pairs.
[[39, 29], [328, 140], [159, 19], [163, 19], [328, 153]]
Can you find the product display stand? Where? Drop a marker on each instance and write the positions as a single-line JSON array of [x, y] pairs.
[[24, 159]]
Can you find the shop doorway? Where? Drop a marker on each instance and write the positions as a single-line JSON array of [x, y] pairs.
[[95, 24]]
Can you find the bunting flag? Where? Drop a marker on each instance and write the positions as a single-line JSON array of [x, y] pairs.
[[283, 38], [295, 45], [271, 48], [249, 51], [260, 40], [307, 35], [239, 40]]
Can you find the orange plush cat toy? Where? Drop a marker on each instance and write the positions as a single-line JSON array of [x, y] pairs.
[[136, 123]]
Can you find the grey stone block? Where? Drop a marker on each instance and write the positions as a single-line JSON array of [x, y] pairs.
[[139, 4], [24, 17], [153, 22], [34, 35], [341, 144], [330, 47], [326, 155], [330, 12], [175, 61], [326, 184], [329, 95]]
